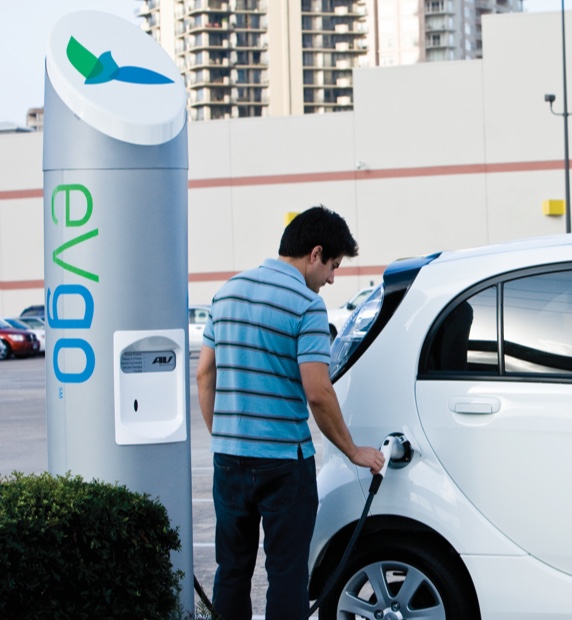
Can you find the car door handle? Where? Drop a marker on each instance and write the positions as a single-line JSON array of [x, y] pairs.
[[474, 406]]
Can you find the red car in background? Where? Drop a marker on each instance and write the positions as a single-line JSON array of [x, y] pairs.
[[17, 342]]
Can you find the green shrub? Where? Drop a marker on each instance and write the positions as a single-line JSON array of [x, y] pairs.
[[73, 549]]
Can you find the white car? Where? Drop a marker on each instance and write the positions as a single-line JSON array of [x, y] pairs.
[[198, 316], [467, 357], [338, 316]]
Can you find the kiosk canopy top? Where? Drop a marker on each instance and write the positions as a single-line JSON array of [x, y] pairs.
[[116, 78]]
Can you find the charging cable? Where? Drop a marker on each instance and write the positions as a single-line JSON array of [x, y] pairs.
[[397, 451], [387, 449]]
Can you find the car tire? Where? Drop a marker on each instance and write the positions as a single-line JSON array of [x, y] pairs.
[[5, 350], [401, 579]]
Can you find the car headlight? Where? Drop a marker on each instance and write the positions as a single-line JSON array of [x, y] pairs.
[[17, 338], [353, 332]]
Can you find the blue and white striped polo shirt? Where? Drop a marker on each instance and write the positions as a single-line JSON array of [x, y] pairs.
[[264, 323]]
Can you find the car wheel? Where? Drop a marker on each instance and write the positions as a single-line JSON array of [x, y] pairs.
[[401, 580], [4, 350]]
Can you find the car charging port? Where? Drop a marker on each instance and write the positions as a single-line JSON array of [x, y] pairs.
[[401, 451], [397, 452]]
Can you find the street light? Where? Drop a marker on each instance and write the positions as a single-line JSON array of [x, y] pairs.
[[550, 99]]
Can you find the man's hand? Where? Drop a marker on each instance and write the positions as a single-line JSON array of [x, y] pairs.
[[364, 456]]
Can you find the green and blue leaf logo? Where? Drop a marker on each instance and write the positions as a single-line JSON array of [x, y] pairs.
[[104, 69]]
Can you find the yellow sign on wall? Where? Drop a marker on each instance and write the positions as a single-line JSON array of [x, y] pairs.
[[553, 207]]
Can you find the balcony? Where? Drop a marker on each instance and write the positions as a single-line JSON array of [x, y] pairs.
[[252, 6], [209, 96], [205, 6], [206, 43], [317, 9], [152, 21], [441, 43], [218, 62], [148, 7], [438, 7], [209, 26], [432, 25]]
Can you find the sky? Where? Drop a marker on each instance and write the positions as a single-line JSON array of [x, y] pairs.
[[25, 28], [26, 25]]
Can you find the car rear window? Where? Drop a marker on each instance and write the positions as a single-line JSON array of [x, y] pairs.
[[520, 326]]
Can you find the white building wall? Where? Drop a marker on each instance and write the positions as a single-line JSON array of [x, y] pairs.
[[455, 154], [522, 62], [21, 222], [420, 117]]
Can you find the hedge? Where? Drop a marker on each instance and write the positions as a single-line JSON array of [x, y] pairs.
[[84, 550]]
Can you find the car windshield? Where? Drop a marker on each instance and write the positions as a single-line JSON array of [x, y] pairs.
[[33, 322], [354, 330], [17, 324], [367, 321], [5, 324], [360, 297]]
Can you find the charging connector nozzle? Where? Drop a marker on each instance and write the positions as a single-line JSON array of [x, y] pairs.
[[397, 451]]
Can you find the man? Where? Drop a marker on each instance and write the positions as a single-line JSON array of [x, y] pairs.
[[264, 360]]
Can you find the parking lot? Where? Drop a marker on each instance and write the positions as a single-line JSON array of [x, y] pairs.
[[23, 447]]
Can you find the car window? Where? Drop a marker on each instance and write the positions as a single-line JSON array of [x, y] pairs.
[[538, 324], [198, 315], [17, 324], [467, 337], [534, 316], [360, 298]]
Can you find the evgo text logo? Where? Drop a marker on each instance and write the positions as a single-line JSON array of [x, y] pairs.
[[68, 295]]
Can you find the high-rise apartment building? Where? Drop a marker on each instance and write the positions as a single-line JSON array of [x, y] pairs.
[[262, 57], [405, 32], [280, 57]]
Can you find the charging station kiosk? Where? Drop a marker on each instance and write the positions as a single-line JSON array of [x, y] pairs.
[[116, 265]]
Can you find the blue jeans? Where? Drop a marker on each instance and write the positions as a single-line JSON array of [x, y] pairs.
[[284, 495]]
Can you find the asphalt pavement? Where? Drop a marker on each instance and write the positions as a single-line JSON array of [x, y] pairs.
[[23, 448]]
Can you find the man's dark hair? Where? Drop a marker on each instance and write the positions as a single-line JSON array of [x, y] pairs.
[[318, 226]]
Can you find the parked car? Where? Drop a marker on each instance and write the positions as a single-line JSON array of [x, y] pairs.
[[17, 342], [338, 316], [468, 355], [33, 323], [34, 311], [198, 316]]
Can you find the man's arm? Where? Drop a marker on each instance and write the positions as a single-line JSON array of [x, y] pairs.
[[326, 410], [206, 383]]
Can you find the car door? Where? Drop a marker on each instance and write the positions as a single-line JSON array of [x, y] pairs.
[[494, 397]]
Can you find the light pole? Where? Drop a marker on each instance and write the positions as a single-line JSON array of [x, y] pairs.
[[550, 99]]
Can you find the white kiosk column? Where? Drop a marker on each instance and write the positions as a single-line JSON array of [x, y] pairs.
[[116, 268]]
